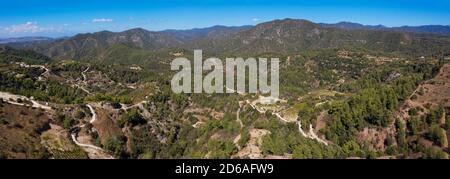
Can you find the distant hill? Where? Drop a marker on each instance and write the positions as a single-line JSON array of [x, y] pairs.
[[210, 32], [433, 29], [354, 26], [436, 29], [8, 54], [292, 35], [92, 45], [280, 36], [24, 39]]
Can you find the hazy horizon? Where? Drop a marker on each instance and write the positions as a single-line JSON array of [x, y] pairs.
[[75, 33], [51, 18]]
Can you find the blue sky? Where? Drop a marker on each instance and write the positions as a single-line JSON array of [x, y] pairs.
[[57, 18]]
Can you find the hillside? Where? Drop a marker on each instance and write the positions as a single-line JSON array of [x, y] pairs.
[[290, 35], [9, 55], [21, 130], [215, 32]]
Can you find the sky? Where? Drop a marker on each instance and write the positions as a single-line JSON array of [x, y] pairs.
[[58, 18]]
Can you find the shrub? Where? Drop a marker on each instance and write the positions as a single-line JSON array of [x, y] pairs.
[[412, 112], [132, 117], [67, 122], [245, 136], [116, 146], [437, 134], [351, 148], [447, 123], [79, 114], [434, 153]]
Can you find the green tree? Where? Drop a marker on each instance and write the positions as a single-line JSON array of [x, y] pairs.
[[351, 148], [401, 134], [67, 122], [116, 146], [245, 136], [447, 123], [221, 149], [437, 134], [133, 117], [434, 153]]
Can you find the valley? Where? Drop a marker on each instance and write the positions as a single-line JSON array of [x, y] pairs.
[[342, 95]]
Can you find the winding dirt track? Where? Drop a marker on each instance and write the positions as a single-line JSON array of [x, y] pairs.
[[94, 115], [310, 134], [74, 138], [239, 119], [84, 81], [74, 134], [12, 99]]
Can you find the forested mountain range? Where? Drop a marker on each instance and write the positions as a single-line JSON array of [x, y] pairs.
[[287, 35]]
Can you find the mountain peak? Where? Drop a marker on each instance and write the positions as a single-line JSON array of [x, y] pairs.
[[290, 21], [137, 30], [287, 24]]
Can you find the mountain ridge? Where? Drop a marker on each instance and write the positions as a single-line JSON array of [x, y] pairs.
[[432, 29], [284, 35]]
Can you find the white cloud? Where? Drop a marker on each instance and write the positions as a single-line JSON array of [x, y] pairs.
[[102, 20], [28, 27], [255, 19]]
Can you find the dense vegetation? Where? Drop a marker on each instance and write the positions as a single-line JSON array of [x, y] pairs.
[[51, 91]]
